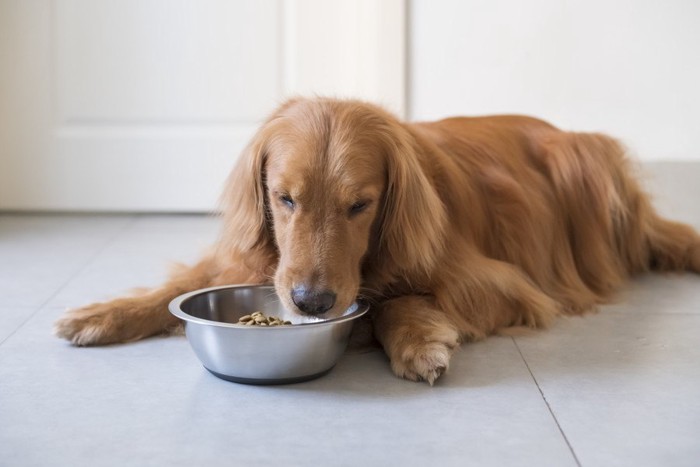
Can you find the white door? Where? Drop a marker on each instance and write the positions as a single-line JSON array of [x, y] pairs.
[[144, 105]]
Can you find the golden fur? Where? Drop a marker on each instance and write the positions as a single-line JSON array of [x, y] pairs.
[[456, 229]]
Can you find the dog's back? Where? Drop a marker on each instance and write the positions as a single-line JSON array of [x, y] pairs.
[[565, 207]]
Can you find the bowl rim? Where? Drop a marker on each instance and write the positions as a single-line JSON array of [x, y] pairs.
[[175, 308]]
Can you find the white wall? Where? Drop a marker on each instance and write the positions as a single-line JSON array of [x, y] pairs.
[[627, 67]]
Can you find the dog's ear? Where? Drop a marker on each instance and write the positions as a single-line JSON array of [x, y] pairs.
[[247, 231], [412, 229]]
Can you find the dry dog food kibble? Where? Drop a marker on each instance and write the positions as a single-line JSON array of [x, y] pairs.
[[259, 319]]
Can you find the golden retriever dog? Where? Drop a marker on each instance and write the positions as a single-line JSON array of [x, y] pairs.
[[454, 229]]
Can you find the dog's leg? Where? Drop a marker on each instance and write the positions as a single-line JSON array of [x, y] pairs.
[[420, 333], [131, 318], [418, 337], [121, 320]]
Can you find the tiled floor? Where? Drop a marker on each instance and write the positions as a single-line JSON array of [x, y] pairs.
[[621, 387]]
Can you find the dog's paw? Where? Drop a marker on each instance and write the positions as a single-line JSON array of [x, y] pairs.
[[424, 362], [91, 325]]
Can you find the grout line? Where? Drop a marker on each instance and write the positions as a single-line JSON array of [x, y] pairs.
[[80, 269], [551, 412]]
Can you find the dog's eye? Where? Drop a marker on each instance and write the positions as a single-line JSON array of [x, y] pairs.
[[358, 207], [287, 200]]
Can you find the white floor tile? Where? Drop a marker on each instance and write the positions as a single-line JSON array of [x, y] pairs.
[[623, 387], [660, 293], [40, 253], [11, 319], [152, 403], [140, 257]]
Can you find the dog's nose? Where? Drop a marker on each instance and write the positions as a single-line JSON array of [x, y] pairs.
[[311, 301]]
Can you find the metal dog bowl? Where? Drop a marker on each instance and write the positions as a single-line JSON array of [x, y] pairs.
[[307, 349]]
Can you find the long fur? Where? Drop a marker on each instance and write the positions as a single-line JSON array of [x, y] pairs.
[[473, 226]]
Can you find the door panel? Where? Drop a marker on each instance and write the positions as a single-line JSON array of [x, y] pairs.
[[212, 61]]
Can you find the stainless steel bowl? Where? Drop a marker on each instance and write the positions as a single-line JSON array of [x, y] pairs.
[[307, 349]]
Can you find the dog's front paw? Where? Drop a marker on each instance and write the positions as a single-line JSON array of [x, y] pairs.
[[91, 325], [423, 362], [418, 338]]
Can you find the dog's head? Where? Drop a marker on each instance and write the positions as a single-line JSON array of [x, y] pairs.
[[330, 189]]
